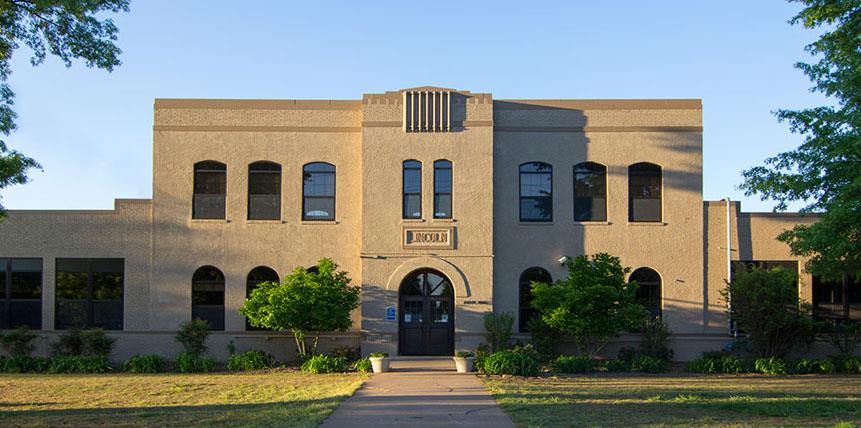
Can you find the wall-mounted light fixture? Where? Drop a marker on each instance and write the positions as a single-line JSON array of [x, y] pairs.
[[563, 260]]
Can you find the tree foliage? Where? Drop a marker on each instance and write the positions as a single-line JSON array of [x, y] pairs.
[[766, 307], [825, 171], [304, 302], [67, 29], [593, 304]]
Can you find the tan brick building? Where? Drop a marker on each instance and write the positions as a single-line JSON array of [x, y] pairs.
[[440, 203]]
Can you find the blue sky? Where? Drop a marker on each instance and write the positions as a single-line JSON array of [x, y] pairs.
[[92, 130]]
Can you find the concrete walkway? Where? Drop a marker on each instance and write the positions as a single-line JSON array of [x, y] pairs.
[[420, 392]]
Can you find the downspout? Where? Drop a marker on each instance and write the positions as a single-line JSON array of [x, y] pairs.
[[729, 267]]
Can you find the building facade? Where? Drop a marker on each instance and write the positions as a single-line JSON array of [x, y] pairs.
[[442, 204]]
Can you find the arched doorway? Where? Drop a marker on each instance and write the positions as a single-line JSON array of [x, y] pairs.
[[426, 322]]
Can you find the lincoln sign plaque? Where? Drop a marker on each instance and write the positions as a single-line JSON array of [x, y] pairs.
[[429, 237]]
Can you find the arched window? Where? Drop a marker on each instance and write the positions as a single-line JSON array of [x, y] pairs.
[[258, 275], [442, 189], [533, 274], [207, 296], [648, 289], [412, 187], [264, 191], [313, 269], [590, 192], [210, 190], [318, 191], [644, 192], [536, 192]]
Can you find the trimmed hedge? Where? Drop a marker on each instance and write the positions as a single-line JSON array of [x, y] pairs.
[[250, 360], [187, 362], [325, 364], [145, 364], [574, 364], [520, 361]]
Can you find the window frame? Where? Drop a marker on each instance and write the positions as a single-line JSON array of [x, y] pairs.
[[405, 194], [520, 190], [660, 289], [450, 193], [6, 299], [525, 314], [601, 171], [334, 196], [660, 198], [88, 300], [262, 172], [198, 168], [223, 305], [249, 288]]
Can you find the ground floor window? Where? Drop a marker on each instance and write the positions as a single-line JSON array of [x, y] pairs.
[[21, 293], [257, 276], [533, 274], [648, 289], [836, 298], [207, 296], [89, 293]]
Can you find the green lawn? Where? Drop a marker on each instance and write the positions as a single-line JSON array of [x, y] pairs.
[[278, 398], [660, 400]]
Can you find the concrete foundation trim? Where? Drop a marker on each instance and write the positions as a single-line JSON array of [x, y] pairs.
[[461, 288]]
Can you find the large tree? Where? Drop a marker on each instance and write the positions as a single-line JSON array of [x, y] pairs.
[[68, 29], [824, 173]]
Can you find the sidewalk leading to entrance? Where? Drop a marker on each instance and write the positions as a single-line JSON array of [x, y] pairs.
[[420, 392]]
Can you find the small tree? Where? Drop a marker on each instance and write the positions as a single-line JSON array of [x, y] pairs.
[[305, 301], [766, 307], [192, 336], [592, 305]]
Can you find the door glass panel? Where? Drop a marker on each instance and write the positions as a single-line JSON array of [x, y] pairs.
[[413, 312], [440, 312]]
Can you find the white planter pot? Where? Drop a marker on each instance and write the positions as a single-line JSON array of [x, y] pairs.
[[380, 365], [464, 365]]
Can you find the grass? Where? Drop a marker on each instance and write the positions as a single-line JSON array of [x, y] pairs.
[[690, 400], [276, 398]]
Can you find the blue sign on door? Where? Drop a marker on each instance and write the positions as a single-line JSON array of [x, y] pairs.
[[391, 314]]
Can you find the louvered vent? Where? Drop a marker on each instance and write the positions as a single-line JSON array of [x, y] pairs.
[[427, 111]]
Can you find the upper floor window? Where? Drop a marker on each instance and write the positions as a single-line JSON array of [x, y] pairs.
[[89, 293], [318, 191], [590, 192], [648, 289], [442, 189], [264, 191], [644, 192], [412, 203], [21, 293], [527, 312], [207, 296], [210, 190], [536, 192]]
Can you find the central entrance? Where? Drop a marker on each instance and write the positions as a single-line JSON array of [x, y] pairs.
[[426, 322]]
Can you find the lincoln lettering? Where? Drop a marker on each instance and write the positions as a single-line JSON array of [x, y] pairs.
[[430, 237]]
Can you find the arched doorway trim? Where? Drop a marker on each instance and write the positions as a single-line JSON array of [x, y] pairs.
[[458, 281]]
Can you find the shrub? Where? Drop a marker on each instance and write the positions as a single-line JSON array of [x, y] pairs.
[[499, 329], [656, 334], [618, 366], [325, 364], [846, 364], [18, 342], [704, 364], [649, 364], [145, 364], [464, 354], [192, 336], [766, 306], [770, 366], [733, 365], [24, 364], [379, 355], [593, 304], [544, 338], [76, 342], [481, 354], [79, 364], [520, 361], [363, 365], [844, 335], [187, 362], [347, 352], [250, 360], [574, 364]]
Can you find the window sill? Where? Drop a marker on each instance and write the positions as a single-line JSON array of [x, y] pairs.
[[412, 220], [647, 223], [444, 220], [319, 222], [210, 220], [592, 223], [535, 223], [278, 221]]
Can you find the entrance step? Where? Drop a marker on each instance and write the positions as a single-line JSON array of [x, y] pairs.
[[422, 364]]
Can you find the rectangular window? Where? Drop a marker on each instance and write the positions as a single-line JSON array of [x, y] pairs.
[[644, 193], [264, 191], [210, 190], [536, 192], [412, 178], [442, 189], [836, 299], [21, 293], [89, 293], [590, 192], [318, 192]]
